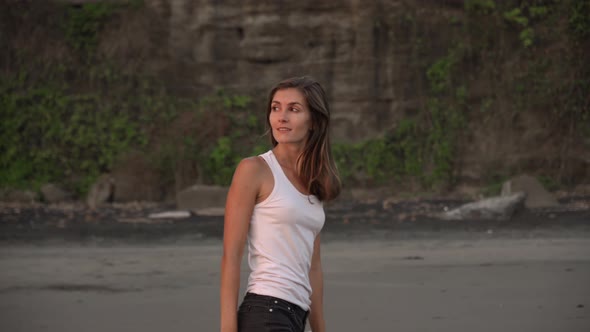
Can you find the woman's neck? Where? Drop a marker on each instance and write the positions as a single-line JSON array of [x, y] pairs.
[[287, 156]]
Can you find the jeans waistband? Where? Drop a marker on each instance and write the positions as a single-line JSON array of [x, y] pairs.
[[271, 299]]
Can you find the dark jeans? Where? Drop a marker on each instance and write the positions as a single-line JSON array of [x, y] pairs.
[[261, 313]]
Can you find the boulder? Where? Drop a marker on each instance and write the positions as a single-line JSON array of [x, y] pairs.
[[210, 212], [136, 179], [170, 215], [18, 196], [499, 208], [201, 198], [536, 195], [582, 189], [52, 193], [101, 191]]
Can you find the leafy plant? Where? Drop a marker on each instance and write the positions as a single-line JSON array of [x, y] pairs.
[[221, 161], [238, 135], [83, 24], [479, 6], [549, 183], [517, 16], [579, 19], [439, 74]]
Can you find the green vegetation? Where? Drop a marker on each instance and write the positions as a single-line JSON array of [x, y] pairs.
[[579, 19], [242, 136], [527, 34], [49, 133], [479, 6], [380, 160], [83, 24]]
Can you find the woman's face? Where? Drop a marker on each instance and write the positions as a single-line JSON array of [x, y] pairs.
[[290, 117]]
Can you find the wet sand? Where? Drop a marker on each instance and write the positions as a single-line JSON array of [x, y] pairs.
[[455, 282]]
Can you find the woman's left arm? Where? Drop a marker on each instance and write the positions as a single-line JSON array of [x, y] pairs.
[[316, 278]]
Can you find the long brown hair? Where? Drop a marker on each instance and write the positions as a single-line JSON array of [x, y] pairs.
[[316, 166]]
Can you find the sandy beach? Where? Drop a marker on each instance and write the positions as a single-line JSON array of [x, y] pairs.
[[447, 283]]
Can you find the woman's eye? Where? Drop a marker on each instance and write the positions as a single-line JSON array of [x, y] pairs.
[[293, 109], [274, 108]]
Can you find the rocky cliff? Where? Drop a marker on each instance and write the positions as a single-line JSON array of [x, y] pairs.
[[373, 57], [493, 88]]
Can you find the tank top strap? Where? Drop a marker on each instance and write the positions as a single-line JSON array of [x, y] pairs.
[[274, 166], [270, 161], [266, 157]]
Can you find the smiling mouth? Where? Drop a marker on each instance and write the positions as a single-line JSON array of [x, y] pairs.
[[283, 129]]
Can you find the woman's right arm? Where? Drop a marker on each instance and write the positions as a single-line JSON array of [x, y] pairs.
[[241, 199]]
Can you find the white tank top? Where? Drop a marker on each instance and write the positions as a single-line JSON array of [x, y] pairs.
[[280, 240]]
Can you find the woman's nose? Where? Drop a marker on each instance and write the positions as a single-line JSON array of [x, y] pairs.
[[283, 117]]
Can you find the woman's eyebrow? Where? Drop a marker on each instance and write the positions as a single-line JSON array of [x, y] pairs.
[[291, 103]]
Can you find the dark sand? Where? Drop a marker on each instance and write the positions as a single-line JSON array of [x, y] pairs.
[[446, 282], [388, 267]]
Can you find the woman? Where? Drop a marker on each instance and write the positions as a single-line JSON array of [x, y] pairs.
[[275, 202]]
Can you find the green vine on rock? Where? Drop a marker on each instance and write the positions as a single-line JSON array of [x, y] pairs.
[[51, 132], [579, 19], [84, 22], [479, 6]]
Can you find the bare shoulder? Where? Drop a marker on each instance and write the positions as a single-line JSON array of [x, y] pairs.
[[254, 173], [251, 166], [251, 169]]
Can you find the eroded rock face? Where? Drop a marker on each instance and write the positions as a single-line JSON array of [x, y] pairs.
[[349, 46]]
